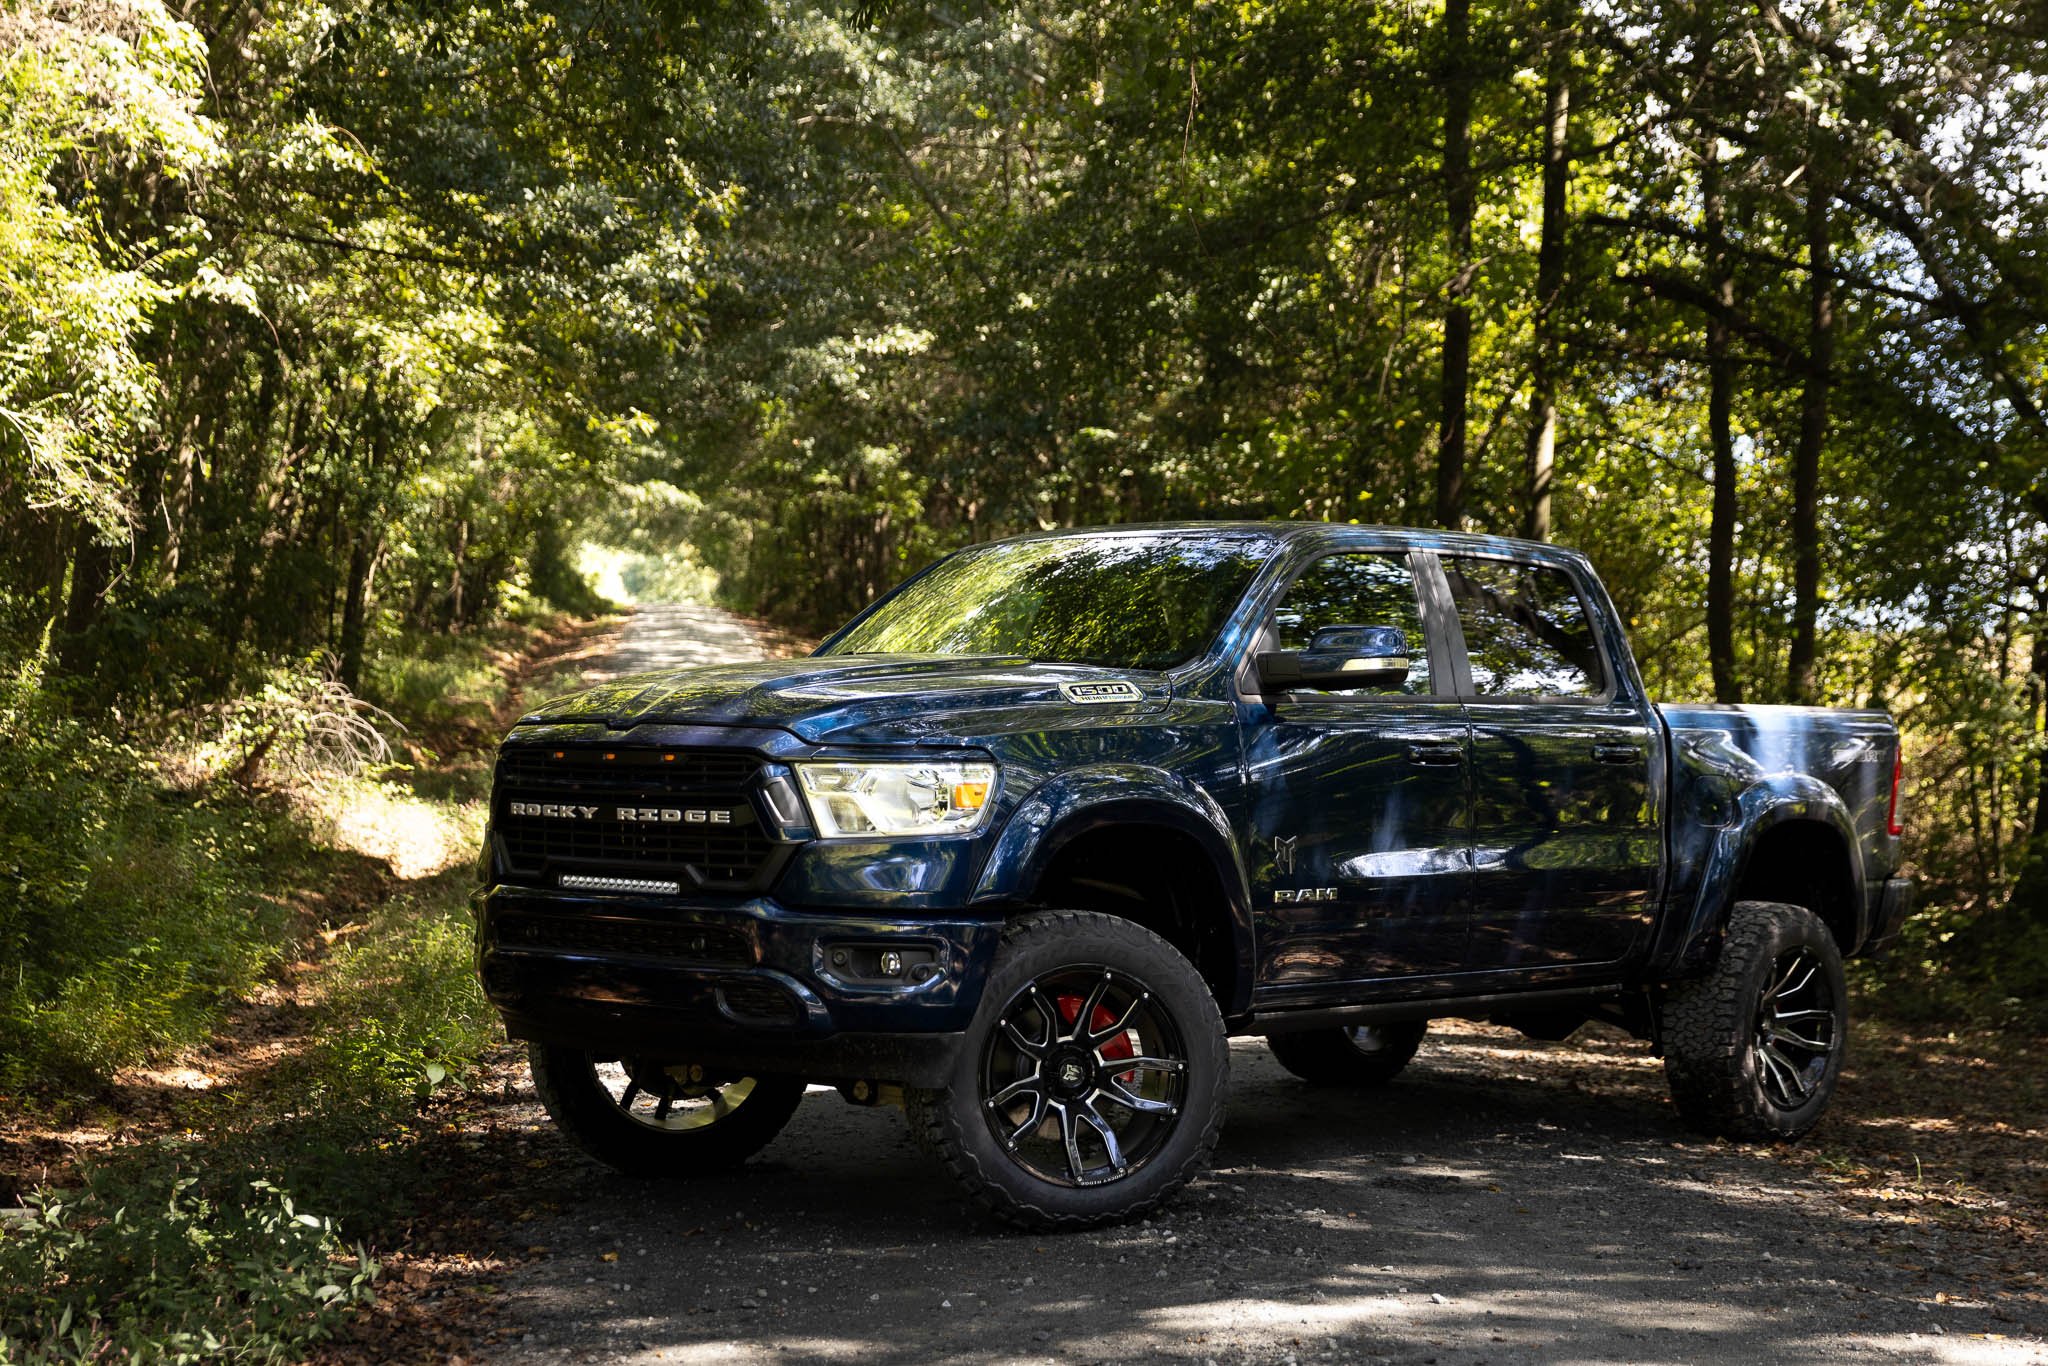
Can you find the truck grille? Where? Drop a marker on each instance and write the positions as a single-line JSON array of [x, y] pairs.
[[683, 815]]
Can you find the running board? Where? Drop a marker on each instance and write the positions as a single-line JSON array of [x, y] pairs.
[[1433, 1008]]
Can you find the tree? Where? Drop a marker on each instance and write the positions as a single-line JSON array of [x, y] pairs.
[[1458, 211], [1542, 453]]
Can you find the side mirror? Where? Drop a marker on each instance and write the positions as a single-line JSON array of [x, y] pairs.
[[1339, 658]]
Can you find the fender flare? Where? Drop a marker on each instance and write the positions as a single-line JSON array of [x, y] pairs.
[[1076, 803], [1779, 799]]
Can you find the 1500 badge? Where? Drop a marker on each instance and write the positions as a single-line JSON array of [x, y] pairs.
[[1102, 692]]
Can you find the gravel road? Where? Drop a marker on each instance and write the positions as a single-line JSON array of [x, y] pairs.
[[1502, 1202]]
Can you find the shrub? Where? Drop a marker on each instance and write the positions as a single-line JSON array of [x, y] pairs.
[[128, 910], [144, 1267], [402, 1011]]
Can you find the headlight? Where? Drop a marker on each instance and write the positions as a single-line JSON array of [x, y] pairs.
[[852, 800]]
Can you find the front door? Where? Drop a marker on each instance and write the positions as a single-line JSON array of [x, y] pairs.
[[1567, 844], [1358, 800]]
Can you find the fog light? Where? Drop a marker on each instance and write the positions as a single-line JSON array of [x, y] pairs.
[[891, 965]]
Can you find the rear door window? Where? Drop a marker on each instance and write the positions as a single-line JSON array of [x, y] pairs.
[[1527, 630]]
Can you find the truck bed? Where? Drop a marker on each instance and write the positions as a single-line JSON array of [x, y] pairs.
[[1724, 759]]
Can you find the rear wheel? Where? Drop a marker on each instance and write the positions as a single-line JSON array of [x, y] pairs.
[[649, 1117], [1754, 1049], [1093, 1080], [1360, 1055]]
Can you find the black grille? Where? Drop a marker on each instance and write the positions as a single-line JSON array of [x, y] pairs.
[[643, 771], [755, 1001], [689, 943], [696, 823]]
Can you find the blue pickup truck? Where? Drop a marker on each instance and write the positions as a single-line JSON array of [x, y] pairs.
[[1026, 842]]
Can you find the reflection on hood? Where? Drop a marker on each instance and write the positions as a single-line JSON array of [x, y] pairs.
[[850, 698]]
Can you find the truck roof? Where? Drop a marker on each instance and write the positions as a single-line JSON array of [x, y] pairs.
[[1282, 532]]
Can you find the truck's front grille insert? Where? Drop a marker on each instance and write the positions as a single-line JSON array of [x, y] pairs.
[[751, 1001], [647, 815], [709, 944], [586, 768]]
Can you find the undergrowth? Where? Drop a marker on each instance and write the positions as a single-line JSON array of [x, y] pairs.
[[432, 681], [151, 875], [401, 1011], [129, 909], [142, 1265]]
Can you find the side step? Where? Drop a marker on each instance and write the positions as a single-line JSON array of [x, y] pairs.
[[1431, 1008]]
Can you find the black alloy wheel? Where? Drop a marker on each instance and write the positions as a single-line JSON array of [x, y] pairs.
[[655, 1117], [1795, 1036], [1083, 1076], [1353, 1055], [1754, 1048], [1093, 1081]]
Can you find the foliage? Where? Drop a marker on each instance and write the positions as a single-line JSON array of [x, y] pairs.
[[86, 87], [429, 680], [143, 1267], [402, 1012], [129, 910], [326, 328]]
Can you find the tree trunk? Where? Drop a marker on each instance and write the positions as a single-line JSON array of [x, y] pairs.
[[92, 569], [1721, 435], [1542, 461], [460, 557], [362, 561], [2040, 689], [1813, 431], [366, 537], [1458, 196]]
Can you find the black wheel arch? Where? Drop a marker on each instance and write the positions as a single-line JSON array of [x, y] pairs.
[[1160, 862], [1784, 850]]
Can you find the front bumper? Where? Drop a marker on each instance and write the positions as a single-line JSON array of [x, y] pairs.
[[749, 986]]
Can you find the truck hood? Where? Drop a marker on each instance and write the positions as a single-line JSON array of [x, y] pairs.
[[859, 699]]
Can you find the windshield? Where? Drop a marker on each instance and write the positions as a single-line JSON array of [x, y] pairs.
[[1126, 601]]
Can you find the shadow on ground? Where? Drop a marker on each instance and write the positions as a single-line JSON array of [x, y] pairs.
[[1500, 1203]]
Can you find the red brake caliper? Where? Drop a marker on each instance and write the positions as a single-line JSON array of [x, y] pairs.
[[1117, 1048]]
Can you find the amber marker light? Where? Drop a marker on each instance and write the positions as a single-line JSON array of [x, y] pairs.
[[970, 796]]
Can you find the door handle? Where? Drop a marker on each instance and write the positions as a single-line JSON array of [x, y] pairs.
[[1437, 753], [1618, 753]]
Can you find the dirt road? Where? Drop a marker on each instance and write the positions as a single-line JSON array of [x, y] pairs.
[[1502, 1202]]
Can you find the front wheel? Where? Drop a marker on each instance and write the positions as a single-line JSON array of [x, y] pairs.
[[1093, 1079], [652, 1117], [1753, 1049]]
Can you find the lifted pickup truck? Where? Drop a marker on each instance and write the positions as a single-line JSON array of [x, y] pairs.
[[1024, 843]]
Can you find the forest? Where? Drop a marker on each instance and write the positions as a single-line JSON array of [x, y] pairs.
[[339, 339]]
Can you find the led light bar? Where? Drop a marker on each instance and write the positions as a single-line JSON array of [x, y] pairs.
[[577, 882]]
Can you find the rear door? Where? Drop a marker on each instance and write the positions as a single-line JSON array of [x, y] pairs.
[[1358, 801], [1567, 849]]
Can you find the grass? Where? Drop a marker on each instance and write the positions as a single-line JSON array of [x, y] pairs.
[[129, 910], [400, 1012], [440, 686], [317, 942]]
